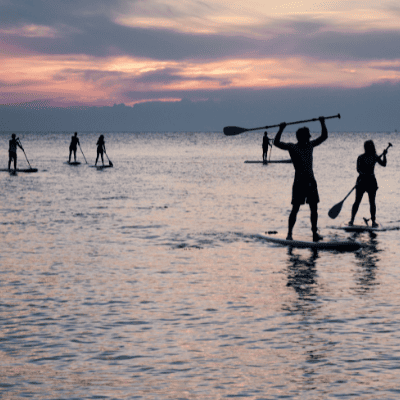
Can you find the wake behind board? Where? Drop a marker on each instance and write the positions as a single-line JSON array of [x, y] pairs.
[[340, 245], [19, 170], [268, 162]]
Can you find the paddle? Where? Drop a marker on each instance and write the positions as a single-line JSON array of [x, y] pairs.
[[335, 210], [109, 161], [24, 153], [235, 130], [82, 153]]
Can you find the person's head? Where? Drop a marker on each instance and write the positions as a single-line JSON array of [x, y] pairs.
[[303, 135], [13, 135], [76, 133], [266, 134], [369, 147]]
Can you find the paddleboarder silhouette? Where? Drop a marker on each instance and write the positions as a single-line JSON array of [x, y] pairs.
[[366, 181], [266, 143], [304, 186], [73, 146], [12, 151], [100, 149]]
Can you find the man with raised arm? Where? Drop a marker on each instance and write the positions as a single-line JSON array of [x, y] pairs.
[[304, 186]]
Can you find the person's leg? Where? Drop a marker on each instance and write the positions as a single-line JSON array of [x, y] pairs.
[[9, 160], [97, 157], [314, 221], [15, 161], [354, 209], [372, 207], [75, 155], [102, 157], [292, 220]]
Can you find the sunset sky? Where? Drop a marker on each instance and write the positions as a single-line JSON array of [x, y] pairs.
[[64, 53]]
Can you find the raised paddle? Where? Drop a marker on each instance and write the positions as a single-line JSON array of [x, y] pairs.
[[335, 210], [235, 130], [82, 153]]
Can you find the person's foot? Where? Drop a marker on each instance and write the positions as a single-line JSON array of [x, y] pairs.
[[289, 236], [374, 224], [350, 223], [316, 237]]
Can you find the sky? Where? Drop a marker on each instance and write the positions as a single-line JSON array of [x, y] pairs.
[[198, 64]]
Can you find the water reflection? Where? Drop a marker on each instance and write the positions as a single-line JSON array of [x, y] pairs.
[[367, 260], [302, 274]]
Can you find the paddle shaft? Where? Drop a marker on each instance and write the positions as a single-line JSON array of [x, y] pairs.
[[24, 153], [82, 153], [109, 161], [234, 130]]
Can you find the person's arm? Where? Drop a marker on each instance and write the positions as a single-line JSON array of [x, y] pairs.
[[359, 167], [19, 145], [382, 160], [324, 133], [277, 140]]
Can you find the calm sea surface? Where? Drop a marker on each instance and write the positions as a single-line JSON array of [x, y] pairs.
[[148, 280]]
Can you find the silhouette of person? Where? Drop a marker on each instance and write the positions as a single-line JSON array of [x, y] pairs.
[[101, 148], [73, 146], [266, 142], [304, 186], [12, 151], [366, 181]]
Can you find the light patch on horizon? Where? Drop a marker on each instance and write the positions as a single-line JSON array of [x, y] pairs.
[[88, 80]]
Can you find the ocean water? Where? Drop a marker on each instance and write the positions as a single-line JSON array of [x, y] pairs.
[[148, 280]]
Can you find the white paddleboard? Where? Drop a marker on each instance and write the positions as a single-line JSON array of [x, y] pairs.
[[340, 245]]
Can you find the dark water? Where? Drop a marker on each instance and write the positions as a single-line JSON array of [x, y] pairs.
[[148, 280]]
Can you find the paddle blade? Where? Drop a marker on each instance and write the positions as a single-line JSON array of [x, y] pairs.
[[233, 130], [335, 210]]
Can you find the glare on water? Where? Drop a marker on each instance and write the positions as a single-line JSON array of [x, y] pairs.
[[148, 280]]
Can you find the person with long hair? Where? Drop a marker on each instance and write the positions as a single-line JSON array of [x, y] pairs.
[[100, 149], [366, 181]]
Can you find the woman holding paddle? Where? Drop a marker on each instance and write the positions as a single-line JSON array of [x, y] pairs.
[[366, 181], [101, 148]]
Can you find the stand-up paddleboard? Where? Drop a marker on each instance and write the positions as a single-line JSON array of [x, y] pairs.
[[73, 163], [340, 245], [19, 170], [268, 162], [366, 228], [101, 166]]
